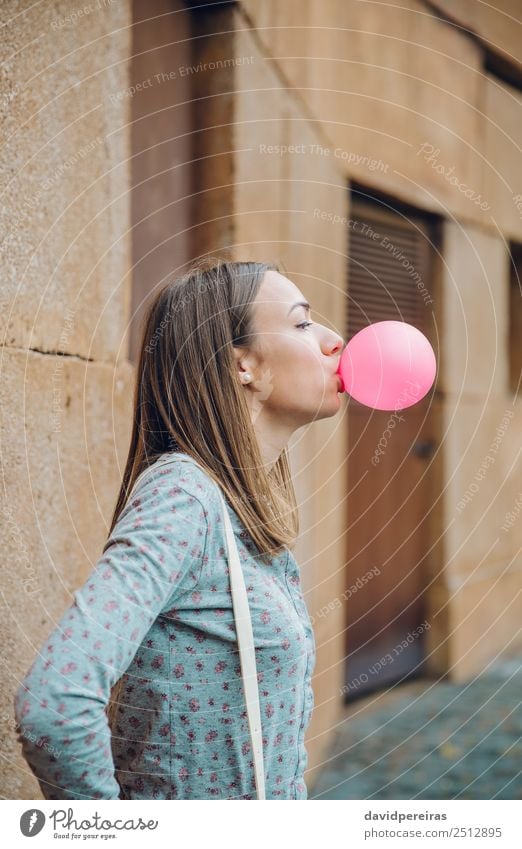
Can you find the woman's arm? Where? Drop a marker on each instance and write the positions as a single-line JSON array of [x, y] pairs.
[[156, 551]]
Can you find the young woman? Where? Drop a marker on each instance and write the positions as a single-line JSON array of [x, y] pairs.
[[137, 694]]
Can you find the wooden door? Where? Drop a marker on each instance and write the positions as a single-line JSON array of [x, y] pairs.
[[390, 277]]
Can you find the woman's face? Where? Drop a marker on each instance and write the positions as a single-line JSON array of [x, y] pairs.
[[293, 361]]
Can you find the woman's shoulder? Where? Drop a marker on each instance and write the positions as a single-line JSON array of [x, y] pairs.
[[177, 471]]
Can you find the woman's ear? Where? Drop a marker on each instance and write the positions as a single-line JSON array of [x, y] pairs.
[[242, 358], [244, 364]]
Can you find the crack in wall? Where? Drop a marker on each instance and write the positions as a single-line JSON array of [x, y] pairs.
[[51, 353]]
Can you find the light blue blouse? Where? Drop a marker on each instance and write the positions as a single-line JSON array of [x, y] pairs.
[[157, 610]]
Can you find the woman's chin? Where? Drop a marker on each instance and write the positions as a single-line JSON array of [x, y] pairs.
[[330, 406]]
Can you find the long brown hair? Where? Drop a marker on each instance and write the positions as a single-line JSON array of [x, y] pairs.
[[188, 397]]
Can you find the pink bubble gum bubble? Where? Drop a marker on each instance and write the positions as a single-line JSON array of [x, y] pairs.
[[389, 365]]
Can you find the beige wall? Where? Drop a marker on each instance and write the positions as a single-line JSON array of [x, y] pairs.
[[65, 287], [498, 24], [482, 437], [382, 80]]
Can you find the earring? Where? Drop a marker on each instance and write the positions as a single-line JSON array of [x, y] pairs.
[[247, 377]]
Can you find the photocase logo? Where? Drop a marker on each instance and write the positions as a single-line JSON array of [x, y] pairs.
[[32, 822]]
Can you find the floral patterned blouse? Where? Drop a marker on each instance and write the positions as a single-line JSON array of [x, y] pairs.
[[157, 610]]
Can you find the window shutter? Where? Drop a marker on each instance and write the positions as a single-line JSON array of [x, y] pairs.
[[388, 268]]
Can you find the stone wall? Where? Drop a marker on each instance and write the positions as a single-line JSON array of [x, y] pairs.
[[66, 386]]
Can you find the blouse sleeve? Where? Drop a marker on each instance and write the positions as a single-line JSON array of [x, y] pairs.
[[154, 553]]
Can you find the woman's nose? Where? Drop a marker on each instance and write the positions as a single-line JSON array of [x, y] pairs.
[[332, 346]]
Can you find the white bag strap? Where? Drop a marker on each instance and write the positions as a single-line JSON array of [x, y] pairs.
[[245, 637], [247, 655]]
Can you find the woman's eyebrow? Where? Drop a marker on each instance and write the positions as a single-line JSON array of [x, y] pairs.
[[299, 304]]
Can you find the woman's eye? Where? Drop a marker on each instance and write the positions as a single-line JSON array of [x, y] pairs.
[[304, 324]]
